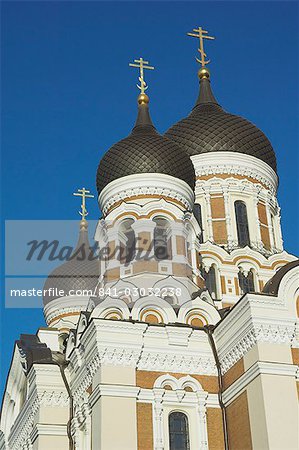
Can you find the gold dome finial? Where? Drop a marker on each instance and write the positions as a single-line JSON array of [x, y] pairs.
[[84, 193], [203, 73], [141, 64], [143, 99], [201, 34]]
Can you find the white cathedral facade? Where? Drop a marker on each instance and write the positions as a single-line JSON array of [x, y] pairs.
[[190, 340]]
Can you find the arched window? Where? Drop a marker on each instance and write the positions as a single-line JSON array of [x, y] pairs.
[[178, 431], [128, 249], [242, 223], [246, 282], [198, 217], [210, 278], [189, 242], [162, 244], [274, 231]]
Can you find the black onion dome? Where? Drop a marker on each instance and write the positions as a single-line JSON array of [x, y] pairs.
[[80, 272], [144, 151], [209, 128]]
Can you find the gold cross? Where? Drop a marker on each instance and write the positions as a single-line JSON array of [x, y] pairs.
[[84, 193], [141, 64], [201, 35]]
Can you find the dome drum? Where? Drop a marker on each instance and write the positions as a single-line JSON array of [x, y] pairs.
[[138, 187], [238, 164]]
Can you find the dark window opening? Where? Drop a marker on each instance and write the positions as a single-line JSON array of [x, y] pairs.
[[178, 432], [242, 223], [210, 281], [246, 283], [273, 231], [162, 242], [128, 250], [198, 216]]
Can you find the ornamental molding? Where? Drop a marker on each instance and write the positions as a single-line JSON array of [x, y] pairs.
[[194, 404], [82, 419], [47, 430], [178, 395], [267, 333], [295, 342], [177, 363], [258, 368], [144, 185], [216, 185], [248, 254], [23, 426], [104, 390], [235, 163], [256, 318], [53, 399], [64, 305], [155, 361], [173, 352]]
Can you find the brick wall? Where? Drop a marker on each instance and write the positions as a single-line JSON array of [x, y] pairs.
[[144, 426]]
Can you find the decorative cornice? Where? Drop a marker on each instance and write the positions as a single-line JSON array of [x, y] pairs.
[[175, 351], [177, 363], [56, 309], [235, 163], [143, 185], [267, 333], [256, 318]]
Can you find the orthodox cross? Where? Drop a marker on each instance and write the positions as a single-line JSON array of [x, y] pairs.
[[84, 193], [201, 34], [141, 65]]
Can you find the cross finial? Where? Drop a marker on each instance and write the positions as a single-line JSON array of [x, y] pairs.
[[201, 34], [84, 193], [141, 65]]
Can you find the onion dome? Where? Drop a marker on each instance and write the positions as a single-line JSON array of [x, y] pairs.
[[144, 151], [79, 273], [209, 128]]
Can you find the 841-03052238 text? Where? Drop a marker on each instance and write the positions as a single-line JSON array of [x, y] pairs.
[[140, 292]]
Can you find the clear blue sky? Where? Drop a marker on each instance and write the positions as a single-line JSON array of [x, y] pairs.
[[68, 94]]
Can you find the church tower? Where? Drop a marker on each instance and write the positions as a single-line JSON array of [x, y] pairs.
[[151, 237], [235, 194], [187, 336]]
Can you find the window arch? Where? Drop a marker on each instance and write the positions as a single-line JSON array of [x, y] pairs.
[[128, 249], [210, 278], [162, 243], [151, 316], [178, 431], [246, 282], [198, 216], [242, 223]]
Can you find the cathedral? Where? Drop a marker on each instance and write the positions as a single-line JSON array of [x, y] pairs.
[[179, 329]]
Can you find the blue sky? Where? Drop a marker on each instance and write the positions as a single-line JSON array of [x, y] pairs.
[[68, 95]]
